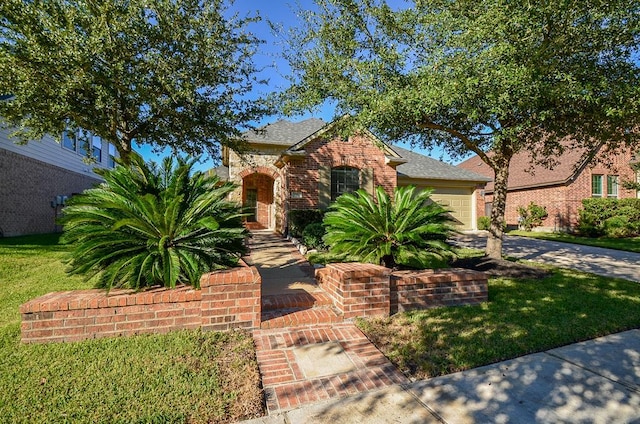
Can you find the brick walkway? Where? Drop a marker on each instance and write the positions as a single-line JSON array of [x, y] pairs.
[[283, 379], [298, 316]]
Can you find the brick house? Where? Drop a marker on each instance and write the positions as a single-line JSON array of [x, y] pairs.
[[560, 189], [36, 177], [298, 166]]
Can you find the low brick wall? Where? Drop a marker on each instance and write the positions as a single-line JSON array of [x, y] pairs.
[[226, 299], [357, 290], [360, 290], [431, 288]]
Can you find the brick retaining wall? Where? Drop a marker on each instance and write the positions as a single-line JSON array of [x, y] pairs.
[[227, 299], [431, 288], [360, 290]]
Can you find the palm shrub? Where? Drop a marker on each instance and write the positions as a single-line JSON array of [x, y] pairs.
[[408, 229], [150, 225]]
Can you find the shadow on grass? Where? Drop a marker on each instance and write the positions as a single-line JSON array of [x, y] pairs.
[[521, 317], [51, 239]]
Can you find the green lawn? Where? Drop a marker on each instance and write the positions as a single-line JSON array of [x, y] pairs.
[[186, 376], [521, 317], [628, 244]]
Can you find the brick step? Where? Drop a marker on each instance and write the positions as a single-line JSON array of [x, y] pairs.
[[284, 318], [301, 300]]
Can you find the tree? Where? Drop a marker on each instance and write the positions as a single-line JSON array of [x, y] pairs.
[[148, 225], [486, 77], [408, 229], [160, 72]]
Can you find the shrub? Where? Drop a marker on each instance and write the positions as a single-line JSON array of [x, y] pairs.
[[148, 225], [595, 214], [484, 222], [312, 236], [616, 227], [532, 216], [300, 218], [408, 229]]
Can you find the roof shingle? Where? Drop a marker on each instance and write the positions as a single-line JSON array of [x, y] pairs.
[[284, 133], [525, 173]]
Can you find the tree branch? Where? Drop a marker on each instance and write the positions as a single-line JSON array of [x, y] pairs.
[[465, 140]]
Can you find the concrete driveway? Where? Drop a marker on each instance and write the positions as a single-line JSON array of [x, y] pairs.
[[596, 260]]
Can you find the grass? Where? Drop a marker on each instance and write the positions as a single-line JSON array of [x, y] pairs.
[[186, 376], [627, 244], [521, 317]]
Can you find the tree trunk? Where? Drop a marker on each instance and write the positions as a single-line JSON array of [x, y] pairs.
[[388, 261], [496, 229], [124, 150]]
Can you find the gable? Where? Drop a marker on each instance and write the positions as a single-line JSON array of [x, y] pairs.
[[524, 173]]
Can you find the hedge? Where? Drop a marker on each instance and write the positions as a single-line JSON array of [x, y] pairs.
[[610, 217], [300, 218]]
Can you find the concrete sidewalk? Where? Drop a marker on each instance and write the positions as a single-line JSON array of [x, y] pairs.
[[596, 381]]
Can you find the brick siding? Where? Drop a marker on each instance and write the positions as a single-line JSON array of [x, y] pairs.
[[26, 190], [227, 299], [563, 201], [358, 152]]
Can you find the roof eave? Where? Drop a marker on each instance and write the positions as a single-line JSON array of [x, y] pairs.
[[286, 157]]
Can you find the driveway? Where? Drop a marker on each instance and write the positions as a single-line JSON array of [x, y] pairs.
[[595, 260]]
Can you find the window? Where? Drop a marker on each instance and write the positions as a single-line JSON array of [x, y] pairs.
[[612, 186], [344, 179], [596, 185], [84, 138], [69, 140], [96, 148], [112, 156]]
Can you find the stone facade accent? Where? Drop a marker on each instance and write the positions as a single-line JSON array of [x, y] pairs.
[[361, 290], [227, 299], [29, 185], [256, 171]]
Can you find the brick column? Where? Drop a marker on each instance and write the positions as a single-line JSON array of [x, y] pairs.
[[358, 290], [231, 298]]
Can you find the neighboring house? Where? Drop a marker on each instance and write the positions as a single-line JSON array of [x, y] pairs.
[[297, 166], [560, 189], [36, 178]]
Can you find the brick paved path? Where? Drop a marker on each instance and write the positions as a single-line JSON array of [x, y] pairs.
[[298, 315], [284, 381]]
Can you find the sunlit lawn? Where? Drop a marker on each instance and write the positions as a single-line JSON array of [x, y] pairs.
[[521, 317], [187, 376]]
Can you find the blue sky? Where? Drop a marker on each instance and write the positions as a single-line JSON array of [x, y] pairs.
[[282, 12]]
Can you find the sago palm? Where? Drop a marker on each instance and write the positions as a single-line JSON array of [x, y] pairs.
[[408, 229], [153, 225]]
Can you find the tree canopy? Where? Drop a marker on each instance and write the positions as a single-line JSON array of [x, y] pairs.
[[489, 77], [167, 73]]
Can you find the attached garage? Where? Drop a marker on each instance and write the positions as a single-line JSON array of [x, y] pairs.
[[454, 188]]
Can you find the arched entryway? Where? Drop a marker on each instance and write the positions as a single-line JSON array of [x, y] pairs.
[[258, 199]]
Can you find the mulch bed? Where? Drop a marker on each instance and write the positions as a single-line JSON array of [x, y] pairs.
[[501, 268]]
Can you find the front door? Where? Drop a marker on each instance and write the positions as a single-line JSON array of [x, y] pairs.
[[251, 204]]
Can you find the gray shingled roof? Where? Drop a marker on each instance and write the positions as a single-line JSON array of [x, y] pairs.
[[284, 133], [420, 166], [221, 171]]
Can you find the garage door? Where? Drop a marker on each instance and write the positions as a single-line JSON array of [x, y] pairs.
[[459, 202]]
